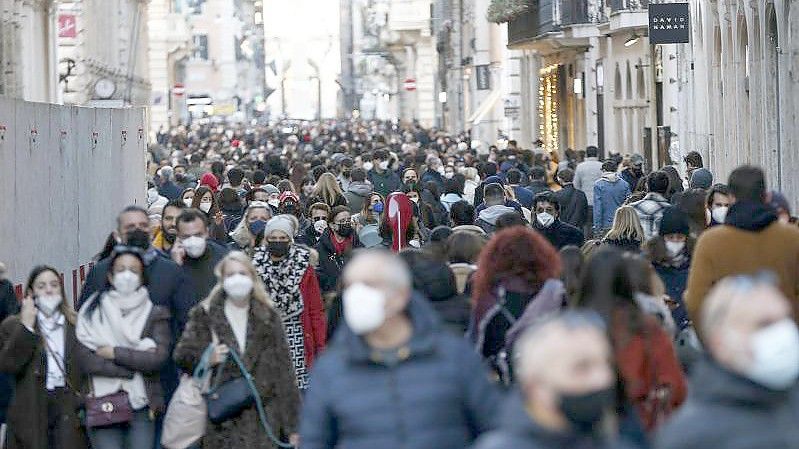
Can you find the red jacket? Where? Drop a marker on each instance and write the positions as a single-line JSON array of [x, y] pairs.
[[313, 319], [647, 360]]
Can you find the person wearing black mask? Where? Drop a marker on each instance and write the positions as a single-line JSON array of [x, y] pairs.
[[196, 253], [165, 236], [566, 396], [291, 282], [335, 248]]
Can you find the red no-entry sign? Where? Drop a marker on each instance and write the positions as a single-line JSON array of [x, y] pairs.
[[409, 84]]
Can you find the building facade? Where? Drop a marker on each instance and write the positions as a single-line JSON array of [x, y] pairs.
[[224, 73], [105, 61], [28, 50]]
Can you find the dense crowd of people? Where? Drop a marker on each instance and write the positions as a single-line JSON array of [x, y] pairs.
[[379, 285]]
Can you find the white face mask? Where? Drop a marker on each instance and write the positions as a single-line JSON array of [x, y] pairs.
[[48, 304], [364, 308], [187, 202], [238, 286], [449, 174], [545, 219], [205, 207], [719, 214], [383, 165], [195, 246], [274, 202], [775, 350], [440, 170], [368, 166], [126, 282], [674, 248], [320, 226]]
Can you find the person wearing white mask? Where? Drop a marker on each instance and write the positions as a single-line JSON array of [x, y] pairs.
[[384, 180], [206, 201], [670, 252], [187, 196], [238, 315], [747, 386], [196, 253], [37, 351], [393, 362], [124, 342], [546, 210], [718, 203]]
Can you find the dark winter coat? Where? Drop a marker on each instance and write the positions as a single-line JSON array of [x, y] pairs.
[[23, 358], [573, 206], [170, 190], [266, 357], [727, 410], [434, 176], [128, 361], [330, 263], [537, 187], [519, 431], [436, 281], [561, 234], [200, 271], [386, 182], [8, 306], [435, 396]]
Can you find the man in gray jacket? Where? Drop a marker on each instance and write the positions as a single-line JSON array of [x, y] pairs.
[[745, 393], [585, 175]]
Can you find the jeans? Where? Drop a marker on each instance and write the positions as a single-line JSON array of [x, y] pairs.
[[137, 434]]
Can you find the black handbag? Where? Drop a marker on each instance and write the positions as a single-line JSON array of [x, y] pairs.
[[228, 400]]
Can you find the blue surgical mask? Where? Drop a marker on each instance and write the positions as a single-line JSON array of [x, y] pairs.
[[257, 227], [378, 208]]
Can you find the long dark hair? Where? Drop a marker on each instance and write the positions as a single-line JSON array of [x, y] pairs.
[[571, 259], [108, 247], [39, 269], [608, 288], [199, 193]]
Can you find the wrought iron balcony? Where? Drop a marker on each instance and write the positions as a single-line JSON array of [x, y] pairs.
[[544, 17]]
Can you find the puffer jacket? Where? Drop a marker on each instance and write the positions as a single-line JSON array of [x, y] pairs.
[[435, 396]]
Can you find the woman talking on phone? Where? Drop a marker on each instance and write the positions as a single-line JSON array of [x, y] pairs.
[[37, 348]]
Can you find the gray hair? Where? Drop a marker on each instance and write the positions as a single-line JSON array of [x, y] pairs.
[[728, 294], [391, 267], [528, 347]]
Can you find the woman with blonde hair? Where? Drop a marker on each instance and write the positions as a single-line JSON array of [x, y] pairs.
[[249, 232], [239, 316], [626, 233], [471, 184], [328, 191]]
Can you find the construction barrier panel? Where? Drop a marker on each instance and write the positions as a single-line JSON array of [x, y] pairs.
[[65, 173]]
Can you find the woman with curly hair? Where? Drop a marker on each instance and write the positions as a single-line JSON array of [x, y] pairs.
[[516, 268]]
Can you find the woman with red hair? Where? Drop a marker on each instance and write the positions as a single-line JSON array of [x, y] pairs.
[[517, 282]]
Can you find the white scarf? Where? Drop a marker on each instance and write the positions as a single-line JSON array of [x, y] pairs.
[[117, 321]]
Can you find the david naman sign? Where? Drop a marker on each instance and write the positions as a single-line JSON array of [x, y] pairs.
[[669, 23]]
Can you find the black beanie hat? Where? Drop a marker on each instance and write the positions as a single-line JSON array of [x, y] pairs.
[[674, 221]]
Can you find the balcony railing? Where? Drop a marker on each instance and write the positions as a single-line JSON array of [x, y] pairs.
[[627, 5], [544, 16]]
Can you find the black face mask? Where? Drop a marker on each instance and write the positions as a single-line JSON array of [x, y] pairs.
[[345, 230], [288, 208], [180, 177], [585, 411], [169, 237], [278, 249], [138, 238], [345, 173]]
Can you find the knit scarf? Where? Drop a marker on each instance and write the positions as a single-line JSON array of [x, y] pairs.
[[282, 278], [118, 321]]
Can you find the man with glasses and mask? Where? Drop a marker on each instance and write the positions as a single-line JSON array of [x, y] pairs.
[[566, 393], [393, 376], [746, 394], [168, 232]]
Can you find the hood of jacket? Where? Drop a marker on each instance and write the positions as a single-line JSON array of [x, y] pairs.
[[435, 279], [490, 214], [360, 188], [720, 385], [451, 198], [750, 216], [610, 176], [425, 327]]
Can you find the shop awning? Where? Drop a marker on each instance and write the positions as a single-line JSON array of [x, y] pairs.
[[487, 104]]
